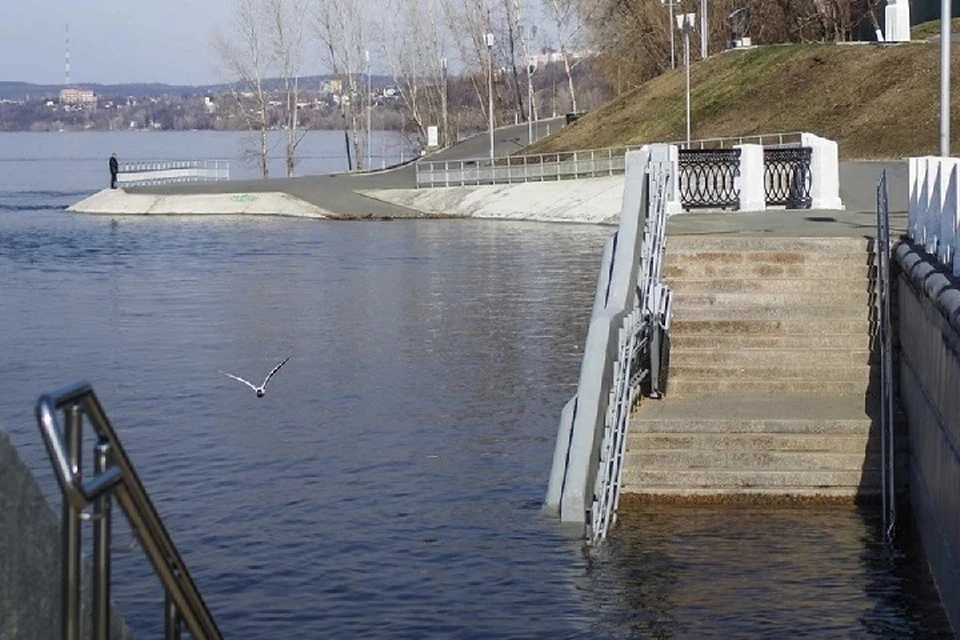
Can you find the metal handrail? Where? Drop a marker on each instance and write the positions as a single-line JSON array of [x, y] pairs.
[[580, 163], [885, 340], [146, 172], [113, 474]]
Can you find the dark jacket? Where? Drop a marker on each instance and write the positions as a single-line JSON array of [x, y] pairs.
[[114, 165]]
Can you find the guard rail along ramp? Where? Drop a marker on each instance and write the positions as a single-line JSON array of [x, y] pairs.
[[171, 172], [884, 338], [626, 352], [113, 474]]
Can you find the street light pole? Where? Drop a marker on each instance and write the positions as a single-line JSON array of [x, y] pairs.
[[945, 35], [703, 29], [443, 97], [687, 22], [369, 108], [489, 42], [673, 55]]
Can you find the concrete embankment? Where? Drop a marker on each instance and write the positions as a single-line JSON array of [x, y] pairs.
[[591, 200], [120, 202], [928, 319], [30, 558]]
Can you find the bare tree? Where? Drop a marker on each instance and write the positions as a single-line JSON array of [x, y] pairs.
[[244, 54], [286, 30], [569, 18], [339, 26]]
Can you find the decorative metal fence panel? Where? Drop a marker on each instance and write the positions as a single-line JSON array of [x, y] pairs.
[[787, 177], [709, 178]]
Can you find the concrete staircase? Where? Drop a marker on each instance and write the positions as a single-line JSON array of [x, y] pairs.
[[772, 380]]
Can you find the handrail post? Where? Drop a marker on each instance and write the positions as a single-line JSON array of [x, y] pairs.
[[101, 549], [70, 581], [171, 618]]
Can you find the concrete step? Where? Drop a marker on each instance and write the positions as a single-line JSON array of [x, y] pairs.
[[751, 284], [685, 459], [763, 495], [863, 442], [684, 324], [694, 266], [853, 301], [749, 357], [745, 243], [637, 479], [721, 342], [801, 313], [773, 370], [693, 386]]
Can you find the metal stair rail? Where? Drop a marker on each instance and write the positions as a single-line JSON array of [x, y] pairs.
[[885, 340], [113, 475], [643, 351]]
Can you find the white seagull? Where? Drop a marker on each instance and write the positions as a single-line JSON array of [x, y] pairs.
[[262, 389]]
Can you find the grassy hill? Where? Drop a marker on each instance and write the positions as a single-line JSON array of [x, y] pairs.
[[875, 101]]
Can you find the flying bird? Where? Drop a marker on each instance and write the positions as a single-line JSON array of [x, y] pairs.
[[262, 389]]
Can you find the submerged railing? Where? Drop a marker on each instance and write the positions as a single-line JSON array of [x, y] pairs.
[[626, 352], [169, 172], [113, 475]]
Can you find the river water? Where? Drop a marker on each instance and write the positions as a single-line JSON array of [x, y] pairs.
[[389, 483]]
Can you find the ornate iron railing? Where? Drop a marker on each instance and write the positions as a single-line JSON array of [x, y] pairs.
[[709, 178], [787, 177]]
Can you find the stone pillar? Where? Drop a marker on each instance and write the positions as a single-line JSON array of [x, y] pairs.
[[753, 193], [825, 169], [896, 18]]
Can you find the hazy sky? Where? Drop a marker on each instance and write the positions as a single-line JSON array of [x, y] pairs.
[[111, 40]]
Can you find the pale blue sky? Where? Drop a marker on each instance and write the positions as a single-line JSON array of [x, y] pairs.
[[111, 40]]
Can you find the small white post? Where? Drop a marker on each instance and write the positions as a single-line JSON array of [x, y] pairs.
[[753, 196], [915, 179], [935, 209], [825, 172], [674, 205], [948, 214]]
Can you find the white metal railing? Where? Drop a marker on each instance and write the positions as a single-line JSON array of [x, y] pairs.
[[642, 345], [113, 476], [933, 209], [564, 165], [172, 171]]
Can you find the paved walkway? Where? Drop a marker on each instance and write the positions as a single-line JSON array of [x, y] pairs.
[[338, 192]]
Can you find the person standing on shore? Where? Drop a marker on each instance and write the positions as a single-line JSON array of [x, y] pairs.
[[114, 170]]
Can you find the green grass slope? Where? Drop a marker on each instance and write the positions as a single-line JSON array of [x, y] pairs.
[[875, 101]]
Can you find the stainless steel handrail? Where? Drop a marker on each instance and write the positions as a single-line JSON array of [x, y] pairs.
[[885, 339], [113, 474]]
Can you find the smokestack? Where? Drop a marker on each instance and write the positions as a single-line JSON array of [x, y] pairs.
[[66, 66]]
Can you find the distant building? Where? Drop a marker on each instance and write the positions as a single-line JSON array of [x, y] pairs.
[[83, 97]]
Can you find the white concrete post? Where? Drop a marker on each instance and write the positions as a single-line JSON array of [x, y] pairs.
[[896, 18], [674, 206], [937, 192], [825, 170], [753, 194], [928, 199], [913, 196], [948, 215]]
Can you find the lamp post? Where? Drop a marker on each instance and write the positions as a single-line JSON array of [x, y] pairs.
[[443, 99], [703, 29], [945, 35], [686, 23], [488, 39], [369, 107], [673, 55]]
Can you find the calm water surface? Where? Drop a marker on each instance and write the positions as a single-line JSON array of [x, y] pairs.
[[389, 484]]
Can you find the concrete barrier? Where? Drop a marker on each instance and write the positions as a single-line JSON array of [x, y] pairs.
[[30, 550], [929, 332], [933, 208]]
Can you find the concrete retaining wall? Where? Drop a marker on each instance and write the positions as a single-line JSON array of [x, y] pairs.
[[929, 333], [30, 558]]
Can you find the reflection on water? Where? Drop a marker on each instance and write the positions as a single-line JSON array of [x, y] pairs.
[[389, 484]]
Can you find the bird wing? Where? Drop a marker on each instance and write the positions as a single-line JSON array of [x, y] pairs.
[[238, 378], [275, 369]]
